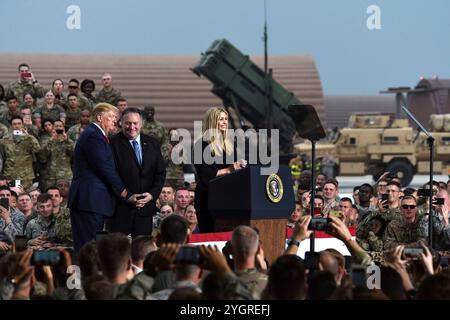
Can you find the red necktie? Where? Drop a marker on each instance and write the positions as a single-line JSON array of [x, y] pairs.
[[106, 137]]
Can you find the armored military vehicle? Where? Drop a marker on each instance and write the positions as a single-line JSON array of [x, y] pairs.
[[375, 143]]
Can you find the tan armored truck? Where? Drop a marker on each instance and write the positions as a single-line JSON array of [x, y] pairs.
[[376, 143]]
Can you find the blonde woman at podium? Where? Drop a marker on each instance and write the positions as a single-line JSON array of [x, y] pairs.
[[216, 147]]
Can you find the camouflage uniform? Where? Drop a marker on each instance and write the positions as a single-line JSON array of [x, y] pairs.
[[254, 280], [74, 132], [92, 100], [44, 137], [72, 118], [111, 96], [174, 174], [16, 226], [371, 243], [50, 114], [399, 232], [38, 226], [5, 118], [62, 99], [3, 107], [388, 216], [83, 104], [18, 154], [63, 227], [157, 130], [33, 130], [57, 155], [3, 131], [138, 288], [33, 215], [18, 88]]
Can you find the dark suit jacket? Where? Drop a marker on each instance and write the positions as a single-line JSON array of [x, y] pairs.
[[95, 184], [148, 178]]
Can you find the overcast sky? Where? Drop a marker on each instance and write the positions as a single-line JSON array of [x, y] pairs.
[[414, 38]]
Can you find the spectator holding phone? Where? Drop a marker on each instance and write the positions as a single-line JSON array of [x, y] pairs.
[[27, 83], [18, 151], [12, 221], [41, 230], [57, 154]]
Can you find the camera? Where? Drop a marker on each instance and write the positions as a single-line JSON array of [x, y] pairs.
[[358, 275], [189, 255], [319, 224], [4, 202], [443, 261], [17, 132], [15, 183], [45, 258], [59, 131], [385, 197], [412, 253], [20, 243]]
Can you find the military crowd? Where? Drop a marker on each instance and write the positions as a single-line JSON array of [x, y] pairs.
[[39, 129]]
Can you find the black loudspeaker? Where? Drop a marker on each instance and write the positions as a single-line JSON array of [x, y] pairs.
[[307, 122]]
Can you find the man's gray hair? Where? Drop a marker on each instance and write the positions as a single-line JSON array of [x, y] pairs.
[[244, 242]]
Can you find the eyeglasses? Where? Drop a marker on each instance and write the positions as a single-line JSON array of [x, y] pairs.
[[73, 87], [410, 206]]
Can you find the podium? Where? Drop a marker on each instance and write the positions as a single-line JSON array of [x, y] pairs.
[[245, 197]]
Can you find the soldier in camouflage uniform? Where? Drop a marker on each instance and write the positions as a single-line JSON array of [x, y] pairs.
[[3, 106], [12, 220], [74, 131], [372, 237], [57, 155], [63, 226], [57, 89], [12, 111], [83, 102], [87, 89], [153, 127], [409, 229], [73, 112], [174, 172], [25, 205], [25, 113], [3, 131], [49, 110], [26, 83], [40, 231], [108, 93], [18, 153]]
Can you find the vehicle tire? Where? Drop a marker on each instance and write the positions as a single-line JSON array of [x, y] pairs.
[[403, 170]]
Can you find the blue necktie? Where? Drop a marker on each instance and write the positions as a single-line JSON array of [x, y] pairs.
[[137, 152]]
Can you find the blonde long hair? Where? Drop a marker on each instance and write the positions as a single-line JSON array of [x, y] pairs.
[[218, 141]]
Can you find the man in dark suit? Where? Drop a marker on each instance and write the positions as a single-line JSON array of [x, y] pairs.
[[141, 167], [95, 184]]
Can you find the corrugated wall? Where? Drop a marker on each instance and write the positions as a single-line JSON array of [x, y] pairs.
[[179, 95]]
